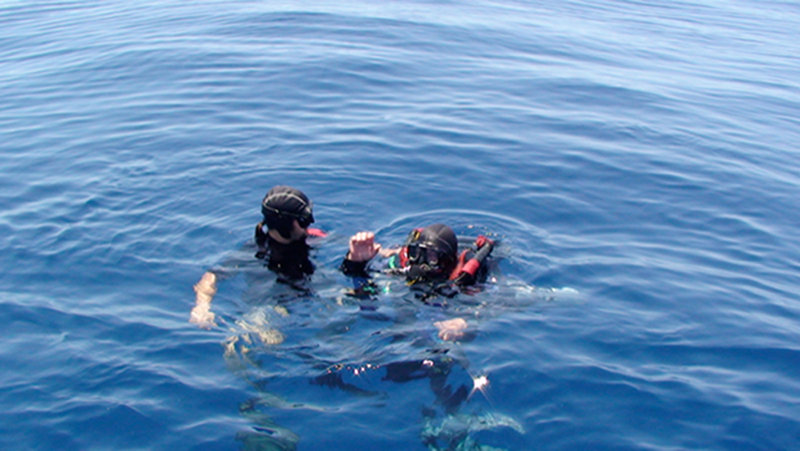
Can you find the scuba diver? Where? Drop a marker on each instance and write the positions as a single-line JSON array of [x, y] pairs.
[[436, 271], [281, 243], [431, 264]]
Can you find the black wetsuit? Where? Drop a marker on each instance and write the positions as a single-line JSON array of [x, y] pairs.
[[288, 260]]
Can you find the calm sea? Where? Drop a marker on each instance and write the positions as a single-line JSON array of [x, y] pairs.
[[636, 162]]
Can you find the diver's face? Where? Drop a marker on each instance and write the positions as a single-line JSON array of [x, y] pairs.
[[298, 232]]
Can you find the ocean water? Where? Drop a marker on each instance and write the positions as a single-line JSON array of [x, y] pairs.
[[636, 162]]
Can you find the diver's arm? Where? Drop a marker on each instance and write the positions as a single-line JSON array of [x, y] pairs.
[[363, 248], [205, 290]]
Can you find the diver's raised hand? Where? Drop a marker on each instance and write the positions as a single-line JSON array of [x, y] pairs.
[[202, 316], [363, 247], [205, 290]]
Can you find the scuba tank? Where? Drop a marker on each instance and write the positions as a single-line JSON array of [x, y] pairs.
[[466, 273]]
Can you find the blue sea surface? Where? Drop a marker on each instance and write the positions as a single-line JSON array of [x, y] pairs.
[[637, 163]]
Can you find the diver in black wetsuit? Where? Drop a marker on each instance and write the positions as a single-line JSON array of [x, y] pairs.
[[281, 240], [281, 236], [435, 270], [431, 264]]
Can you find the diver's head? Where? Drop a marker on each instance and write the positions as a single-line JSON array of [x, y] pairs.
[[432, 252], [288, 211]]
